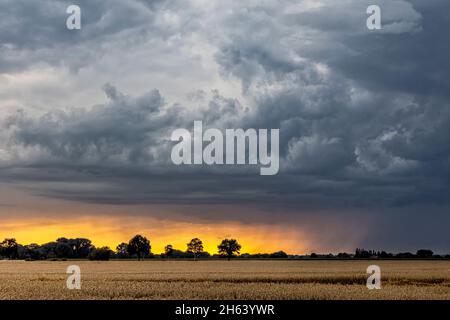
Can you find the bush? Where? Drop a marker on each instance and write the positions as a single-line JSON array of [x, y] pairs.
[[102, 254], [279, 255], [424, 253]]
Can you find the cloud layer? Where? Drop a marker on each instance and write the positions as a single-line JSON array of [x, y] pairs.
[[364, 115]]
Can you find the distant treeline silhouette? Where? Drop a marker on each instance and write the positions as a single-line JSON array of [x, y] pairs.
[[139, 247]]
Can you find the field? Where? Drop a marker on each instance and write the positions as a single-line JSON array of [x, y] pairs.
[[225, 280]]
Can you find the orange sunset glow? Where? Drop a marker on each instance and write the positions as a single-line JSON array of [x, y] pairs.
[[107, 231]]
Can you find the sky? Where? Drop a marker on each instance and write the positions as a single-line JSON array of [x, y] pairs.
[[364, 116]]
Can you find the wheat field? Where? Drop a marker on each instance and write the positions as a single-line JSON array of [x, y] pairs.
[[264, 279]]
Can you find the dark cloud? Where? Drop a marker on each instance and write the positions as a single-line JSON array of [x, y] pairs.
[[364, 115]]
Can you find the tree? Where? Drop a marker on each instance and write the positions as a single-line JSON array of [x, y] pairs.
[[9, 248], [229, 247], [195, 247], [49, 250], [168, 250], [122, 251], [73, 248], [103, 253], [139, 246], [404, 255], [81, 247], [423, 253], [63, 250], [343, 255], [34, 251], [384, 255], [362, 253], [279, 255]]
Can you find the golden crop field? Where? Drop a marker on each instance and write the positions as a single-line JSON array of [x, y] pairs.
[[264, 279]]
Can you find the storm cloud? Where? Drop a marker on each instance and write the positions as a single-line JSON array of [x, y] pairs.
[[364, 116]]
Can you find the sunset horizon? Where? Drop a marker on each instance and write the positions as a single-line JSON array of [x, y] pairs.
[[107, 231]]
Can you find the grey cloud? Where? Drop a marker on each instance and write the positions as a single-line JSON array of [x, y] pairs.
[[119, 130], [35, 32], [364, 116]]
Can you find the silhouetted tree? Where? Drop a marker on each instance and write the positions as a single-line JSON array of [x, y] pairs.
[[279, 255], [179, 254], [384, 255], [343, 255], [9, 248], [122, 251], [34, 251], [81, 247], [73, 248], [49, 249], [63, 250], [423, 253], [195, 247], [363, 254], [103, 253], [228, 247], [404, 255], [139, 246], [168, 250]]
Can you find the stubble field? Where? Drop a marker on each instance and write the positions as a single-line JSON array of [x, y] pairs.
[[225, 280]]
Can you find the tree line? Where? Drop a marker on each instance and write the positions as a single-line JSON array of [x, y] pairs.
[[361, 253], [139, 248]]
